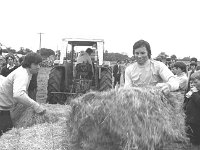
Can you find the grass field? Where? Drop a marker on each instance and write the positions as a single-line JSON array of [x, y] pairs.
[[42, 80]]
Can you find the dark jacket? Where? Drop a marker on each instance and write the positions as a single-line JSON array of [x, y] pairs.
[[116, 70], [192, 109], [5, 71], [33, 82]]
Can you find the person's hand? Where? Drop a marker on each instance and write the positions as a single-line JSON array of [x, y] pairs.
[[39, 109], [165, 88], [194, 89]]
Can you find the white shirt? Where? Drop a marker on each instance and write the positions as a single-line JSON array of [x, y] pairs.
[[183, 81], [84, 58], [151, 73], [13, 89]]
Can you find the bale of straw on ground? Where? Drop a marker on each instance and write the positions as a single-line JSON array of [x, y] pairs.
[[34, 132], [46, 136], [127, 119], [23, 116]]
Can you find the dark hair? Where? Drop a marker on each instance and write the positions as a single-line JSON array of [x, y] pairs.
[[21, 59], [193, 64], [89, 51], [31, 58], [118, 61], [168, 59], [10, 55], [193, 59], [142, 43], [180, 65]]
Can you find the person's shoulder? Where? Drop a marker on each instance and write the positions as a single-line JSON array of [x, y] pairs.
[[20, 70], [131, 66], [115, 65], [4, 67], [15, 67], [158, 64]]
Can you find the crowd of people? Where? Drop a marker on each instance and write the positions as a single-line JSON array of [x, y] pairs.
[[20, 78]]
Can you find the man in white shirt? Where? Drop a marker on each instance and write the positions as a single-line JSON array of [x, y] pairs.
[[146, 71], [13, 90], [84, 57]]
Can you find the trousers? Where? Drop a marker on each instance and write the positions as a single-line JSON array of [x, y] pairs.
[[5, 122]]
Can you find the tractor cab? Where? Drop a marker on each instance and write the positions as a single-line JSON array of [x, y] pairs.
[[75, 77]]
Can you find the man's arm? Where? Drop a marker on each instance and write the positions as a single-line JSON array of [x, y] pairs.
[[168, 77], [20, 85]]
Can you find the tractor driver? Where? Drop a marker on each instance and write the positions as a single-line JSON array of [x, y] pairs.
[[84, 57]]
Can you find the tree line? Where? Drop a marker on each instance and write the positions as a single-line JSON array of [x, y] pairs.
[[45, 52]]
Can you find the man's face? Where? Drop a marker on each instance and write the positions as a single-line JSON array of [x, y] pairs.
[[34, 68], [141, 55], [193, 67], [10, 61], [177, 71], [174, 70]]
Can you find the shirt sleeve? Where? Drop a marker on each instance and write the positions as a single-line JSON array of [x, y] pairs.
[[20, 84], [168, 77], [183, 83], [128, 81]]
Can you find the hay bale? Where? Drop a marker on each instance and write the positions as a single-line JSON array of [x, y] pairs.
[[26, 117], [34, 132], [127, 119], [45, 136]]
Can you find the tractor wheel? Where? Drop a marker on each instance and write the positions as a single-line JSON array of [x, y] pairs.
[[106, 80], [56, 84]]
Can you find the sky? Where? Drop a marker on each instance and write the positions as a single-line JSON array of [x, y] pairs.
[[170, 26]]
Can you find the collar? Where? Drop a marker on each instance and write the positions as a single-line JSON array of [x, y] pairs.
[[145, 64], [10, 67]]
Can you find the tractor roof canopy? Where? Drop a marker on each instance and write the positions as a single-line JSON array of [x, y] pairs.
[[82, 42]]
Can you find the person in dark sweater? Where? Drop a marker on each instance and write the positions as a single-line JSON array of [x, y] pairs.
[[10, 66], [192, 110]]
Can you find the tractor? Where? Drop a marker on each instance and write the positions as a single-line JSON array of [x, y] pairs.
[[63, 82]]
